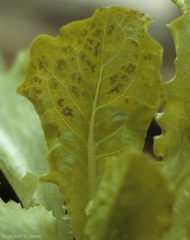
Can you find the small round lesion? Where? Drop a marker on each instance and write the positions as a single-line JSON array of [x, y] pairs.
[[60, 102]]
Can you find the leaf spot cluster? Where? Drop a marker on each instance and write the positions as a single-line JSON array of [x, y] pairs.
[[76, 77], [92, 46], [53, 84], [148, 57], [60, 102], [116, 89], [129, 68], [75, 91], [68, 112], [35, 80]]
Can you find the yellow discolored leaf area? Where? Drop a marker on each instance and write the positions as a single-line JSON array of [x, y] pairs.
[[96, 88], [133, 201], [174, 143]]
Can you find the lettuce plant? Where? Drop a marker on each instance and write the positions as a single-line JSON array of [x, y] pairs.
[[96, 88]]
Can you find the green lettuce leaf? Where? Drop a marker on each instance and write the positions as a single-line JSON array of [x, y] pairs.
[[134, 201], [22, 143], [174, 143], [24, 188], [96, 88], [35, 222]]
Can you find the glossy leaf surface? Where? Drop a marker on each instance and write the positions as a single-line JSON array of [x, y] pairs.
[[96, 88]]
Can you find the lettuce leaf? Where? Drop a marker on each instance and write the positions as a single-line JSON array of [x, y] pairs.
[[174, 143], [21, 138], [23, 147], [35, 222], [24, 188], [96, 88], [134, 201]]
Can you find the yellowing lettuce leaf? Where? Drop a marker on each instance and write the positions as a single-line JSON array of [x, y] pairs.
[[23, 147], [36, 222], [133, 201], [96, 88], [174, 143]]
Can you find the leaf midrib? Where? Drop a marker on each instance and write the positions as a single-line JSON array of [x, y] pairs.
[[91, 147]]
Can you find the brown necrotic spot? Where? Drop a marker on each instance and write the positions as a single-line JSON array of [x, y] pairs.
[[97, 33], [134, 43], [84, 32], [36, 92], [129, 68], [87, 64], [42, 66], [90, 41], [93, 23], [52, 84], [75, 91], [116, 89], [40, 107], [96, 49], [42, 63], [126, 100], [76, 76], [92, 46], [33, 66], [61, 64], [114, 78], [60, 102], [83, 57], [25, 91], [68, 112], [148, 57], [71, 59], [110, 30], [67, 49], [124, 77], [35, 80], [90, 65]]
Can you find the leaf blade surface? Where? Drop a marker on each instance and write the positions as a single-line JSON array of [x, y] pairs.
[[96, 88], [134, 201], [35, 222]]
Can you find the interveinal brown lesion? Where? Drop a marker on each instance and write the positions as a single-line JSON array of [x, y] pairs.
[[68, 112]]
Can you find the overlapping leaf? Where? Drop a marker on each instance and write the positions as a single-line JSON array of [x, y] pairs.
[[24, 188], [174, 143], [134, 201], [16, 222], [96, 88], [23, 147], [21, 142]]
